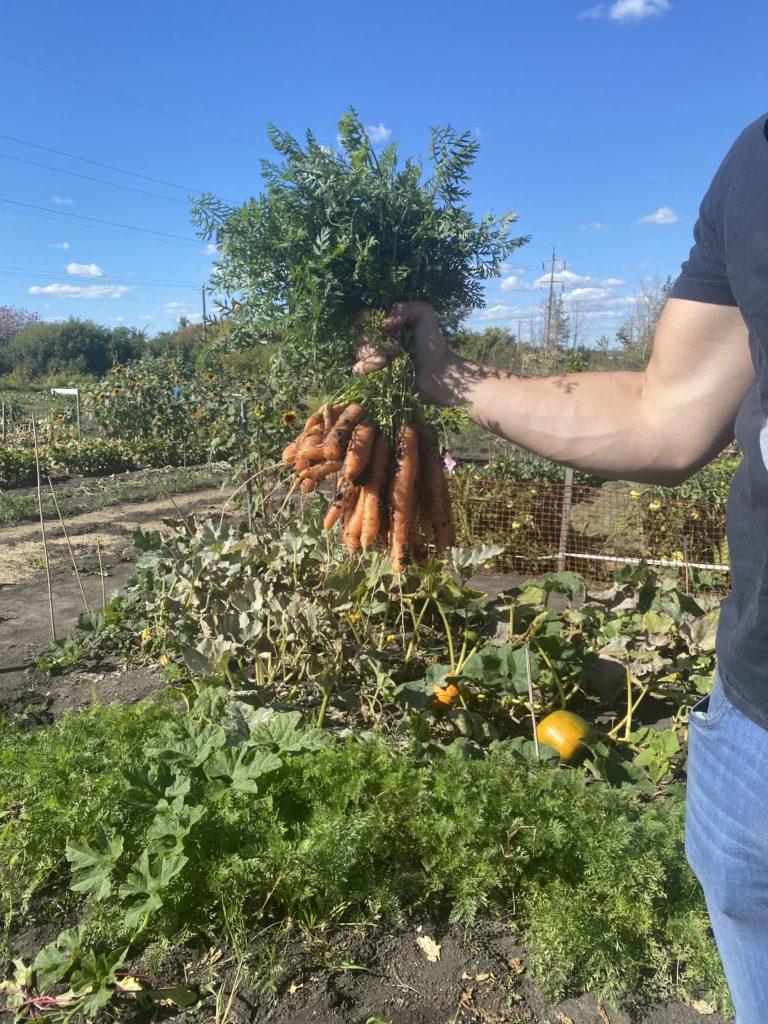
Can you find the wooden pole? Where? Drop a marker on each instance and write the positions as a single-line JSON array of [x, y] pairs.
[[529, 675], [42, 529], [247, 471], [69, 545], [566, 514], [101, 573]]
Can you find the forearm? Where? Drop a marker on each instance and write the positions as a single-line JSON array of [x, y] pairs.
[[615, 424]]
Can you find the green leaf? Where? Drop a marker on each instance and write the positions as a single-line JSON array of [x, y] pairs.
[[239, 769], [92, 866], [285, 733], [54, 961]]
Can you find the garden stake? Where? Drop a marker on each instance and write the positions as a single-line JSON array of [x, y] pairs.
[[247, 471], [101, 573], [529, 675], [42, 530], [69, 546]]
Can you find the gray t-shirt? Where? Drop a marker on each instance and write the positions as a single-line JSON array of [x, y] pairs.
[[728, 265]]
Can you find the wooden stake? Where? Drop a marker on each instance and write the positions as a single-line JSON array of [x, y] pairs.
[[529, 674], [42, 529], [101, 573], [69, 545]]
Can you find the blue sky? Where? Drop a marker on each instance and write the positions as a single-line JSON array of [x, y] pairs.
[[600, 125]]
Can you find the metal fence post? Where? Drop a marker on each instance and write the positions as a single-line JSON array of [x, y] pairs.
[[565, 516]]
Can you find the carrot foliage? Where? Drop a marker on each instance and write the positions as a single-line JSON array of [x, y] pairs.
[[339, 230]]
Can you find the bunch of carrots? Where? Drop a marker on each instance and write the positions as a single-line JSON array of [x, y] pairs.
[[389, 489]]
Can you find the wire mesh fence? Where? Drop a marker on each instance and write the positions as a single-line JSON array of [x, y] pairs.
[[548, 526]]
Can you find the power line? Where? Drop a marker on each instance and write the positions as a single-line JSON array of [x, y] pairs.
[[99, 221], [88, 177], [151, 282], [108, 167], [126, 99]]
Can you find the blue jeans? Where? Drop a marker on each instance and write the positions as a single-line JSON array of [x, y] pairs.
[[726, 842]]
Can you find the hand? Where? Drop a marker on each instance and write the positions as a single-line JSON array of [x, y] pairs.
[[431, 351]]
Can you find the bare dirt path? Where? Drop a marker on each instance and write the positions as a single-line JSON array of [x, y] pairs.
[[25, 621]]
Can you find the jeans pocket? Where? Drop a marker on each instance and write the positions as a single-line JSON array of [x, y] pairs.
[[708, 712]]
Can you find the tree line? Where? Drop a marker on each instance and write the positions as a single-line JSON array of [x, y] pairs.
[[75, 350]]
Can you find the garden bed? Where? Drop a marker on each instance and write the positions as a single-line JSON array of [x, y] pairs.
[[329, 972]]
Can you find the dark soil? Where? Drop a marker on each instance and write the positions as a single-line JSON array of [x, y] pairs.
[[481, 974]]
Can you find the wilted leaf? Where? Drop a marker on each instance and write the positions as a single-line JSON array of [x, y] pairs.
[[429, 947]]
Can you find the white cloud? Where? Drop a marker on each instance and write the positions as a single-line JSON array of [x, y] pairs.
[[63, 201], [636, 10], [571, 280], [514, 284], [210, 250], [85, 269], [86, 291], [378, 133], [596, 225], [628, 10], [60, 245], [664, 215], [147, 316], [173, 307], [502, 312]]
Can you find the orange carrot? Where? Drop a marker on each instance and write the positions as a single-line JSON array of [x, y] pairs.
[[436, 501], [373, 490], [402, 495], [289, 453], [354, 525], [336, 442], [359, 450], [351, 500], [308, 485], [321, 470], [337, 505], [315, 420]]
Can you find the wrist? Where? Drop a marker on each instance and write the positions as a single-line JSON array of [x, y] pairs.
[[442, 382]]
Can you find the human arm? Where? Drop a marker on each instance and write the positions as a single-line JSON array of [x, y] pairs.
[[653, 426]]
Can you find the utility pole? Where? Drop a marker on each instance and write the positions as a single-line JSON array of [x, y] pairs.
[[552, 283]]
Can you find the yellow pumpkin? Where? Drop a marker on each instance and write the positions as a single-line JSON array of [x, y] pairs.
[[564, 731]]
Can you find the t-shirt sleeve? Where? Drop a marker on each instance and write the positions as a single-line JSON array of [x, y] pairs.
[[704, 277]]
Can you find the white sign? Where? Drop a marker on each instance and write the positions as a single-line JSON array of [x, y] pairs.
[[65, 391]]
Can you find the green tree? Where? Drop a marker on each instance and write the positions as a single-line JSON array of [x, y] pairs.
[[13, 320], [74, 347], [635, 336]]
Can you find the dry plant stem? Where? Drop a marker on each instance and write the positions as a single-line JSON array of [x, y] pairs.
[[69, 546], [529, 676], [632, 706], [42, 529], [101, 574], [242, 486], [548, 662]]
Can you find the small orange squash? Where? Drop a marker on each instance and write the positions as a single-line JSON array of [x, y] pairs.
[[445, 696], [564, 731]]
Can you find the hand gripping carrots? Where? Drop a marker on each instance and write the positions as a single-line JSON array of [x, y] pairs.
[[387, 488]]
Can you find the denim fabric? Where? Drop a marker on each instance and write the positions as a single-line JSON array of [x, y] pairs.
[[726, 842]]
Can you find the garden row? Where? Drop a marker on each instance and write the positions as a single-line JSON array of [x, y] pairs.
[[328, 705]]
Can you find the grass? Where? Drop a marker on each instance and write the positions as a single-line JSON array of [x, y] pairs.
[[102, 492]]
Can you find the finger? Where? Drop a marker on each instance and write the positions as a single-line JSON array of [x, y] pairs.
[[369, 363]]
